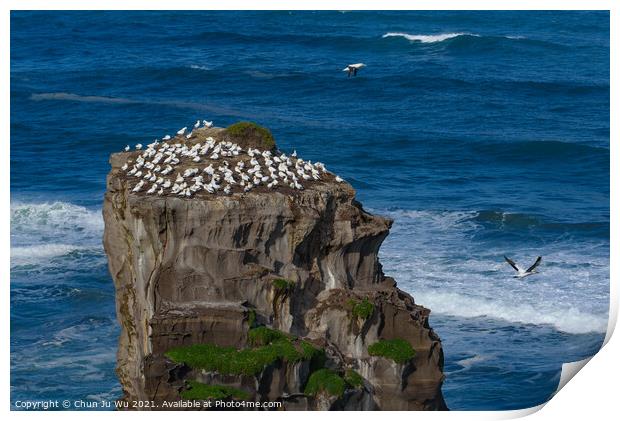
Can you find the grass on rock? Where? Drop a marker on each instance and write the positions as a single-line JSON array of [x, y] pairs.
[[283, 285], [325, 380], [353, 379], [269, 346], [361, 309], [398, 350], [251, 134]]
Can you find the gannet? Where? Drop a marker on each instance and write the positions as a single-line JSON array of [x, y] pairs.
[[138, 186], [139, 146], [167, 137], [207, 124], [127, 148], [523, 273], [353, 68], [338, 179], [197, 124], [182, 131]]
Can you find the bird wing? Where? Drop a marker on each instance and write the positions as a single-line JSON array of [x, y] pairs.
[[513, 264], [536, 263]]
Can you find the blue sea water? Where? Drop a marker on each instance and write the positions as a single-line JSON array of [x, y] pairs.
[[480, 133]]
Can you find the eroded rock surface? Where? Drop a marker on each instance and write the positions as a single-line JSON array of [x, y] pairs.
[[201, 270]]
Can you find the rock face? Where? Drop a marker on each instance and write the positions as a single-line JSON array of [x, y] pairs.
[[201, 271]]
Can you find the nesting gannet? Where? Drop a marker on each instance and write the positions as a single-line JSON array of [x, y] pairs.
[[167, 137], [338, 179], [138, 186], [182, 131], [197, 124], [139, 146], [523, 273], [127, 148], [352, 69], [207, 124]]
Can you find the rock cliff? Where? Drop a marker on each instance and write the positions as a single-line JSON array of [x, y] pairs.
[[264, 295]]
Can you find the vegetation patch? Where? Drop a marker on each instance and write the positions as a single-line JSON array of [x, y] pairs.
[[262, 335], [269, 346], [201, 391], [325, 380], [251, 134], [361, 309], [283, 285], [251, 318], [398, 350], [353, 379]]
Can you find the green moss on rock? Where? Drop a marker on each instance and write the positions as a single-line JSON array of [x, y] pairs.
[[361, 309], [262, 335], [353, 379], [283, 285], [398, 350], [325, 380], [247, 134], [201, 391], [269, 346]]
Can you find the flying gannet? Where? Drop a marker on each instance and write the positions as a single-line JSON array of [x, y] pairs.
[[523, 273], [352, 69]]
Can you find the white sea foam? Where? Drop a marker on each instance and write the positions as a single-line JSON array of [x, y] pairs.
[[34, 254], [198, 67], [428, 38], [41, 232], [563, 318], [468, 362], [448, 263]]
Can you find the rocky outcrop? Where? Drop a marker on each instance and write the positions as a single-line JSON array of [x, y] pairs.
[[206, 269]]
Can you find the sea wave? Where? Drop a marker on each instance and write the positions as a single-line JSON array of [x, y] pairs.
[[565, 319], [34, 254], [429, 38], [41, 232], [55, 220]]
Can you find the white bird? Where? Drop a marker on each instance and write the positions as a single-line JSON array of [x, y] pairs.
[[124, 167], [138, 186], [338, 179], [207, 123], [197, 124], [182, 131], [167, 137], [523, 273], [139, 146], [353, 68], [127, 148]]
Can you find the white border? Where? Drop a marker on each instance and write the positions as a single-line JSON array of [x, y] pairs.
[[594, 394]]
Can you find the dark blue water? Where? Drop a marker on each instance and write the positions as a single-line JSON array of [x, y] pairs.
[[480, 133]]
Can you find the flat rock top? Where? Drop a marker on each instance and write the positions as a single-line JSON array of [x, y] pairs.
[[208, 163]]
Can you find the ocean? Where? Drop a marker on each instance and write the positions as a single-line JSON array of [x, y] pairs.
[[480, 133]]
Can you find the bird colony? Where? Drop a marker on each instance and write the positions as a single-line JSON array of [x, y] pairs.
[[171, 167]]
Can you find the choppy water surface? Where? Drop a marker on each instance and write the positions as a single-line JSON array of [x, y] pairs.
[[480, 133]]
